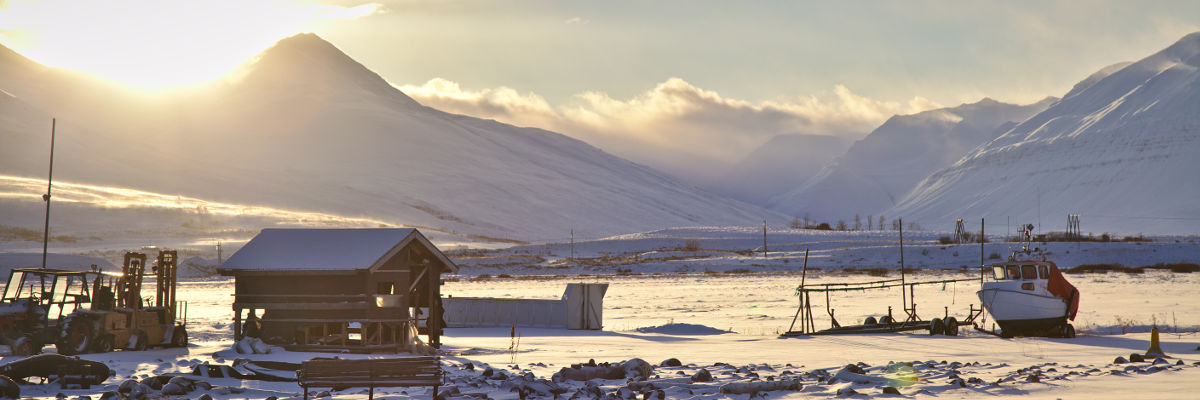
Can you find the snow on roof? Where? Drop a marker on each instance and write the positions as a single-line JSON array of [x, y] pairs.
[[317, 249]]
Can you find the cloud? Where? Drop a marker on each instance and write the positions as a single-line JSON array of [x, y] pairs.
[[675, 126], [575, 20]]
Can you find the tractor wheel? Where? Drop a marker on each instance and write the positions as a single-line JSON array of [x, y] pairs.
[[936, 327], [103, 344], [951, 326], [78, 336], [179, 337], [25, 346], [137, 342]]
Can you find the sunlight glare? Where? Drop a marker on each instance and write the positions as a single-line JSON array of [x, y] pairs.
[[157, 45]]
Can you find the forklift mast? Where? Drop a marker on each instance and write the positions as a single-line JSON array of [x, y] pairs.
[[166, 266]]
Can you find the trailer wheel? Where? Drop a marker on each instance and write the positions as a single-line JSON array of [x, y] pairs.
[[179, 337], [104, 344], [77, 338], [25, 346], [871, 321], [951, 326], [886, 320], [936, 327], [1068, 331]]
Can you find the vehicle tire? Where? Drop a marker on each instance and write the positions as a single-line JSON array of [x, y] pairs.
[[951, 326], [936, 327], [871, 321], [103, 344], [886, 320], [1068, 331], [179, 337], [25, 346], [138, 341], [77, 339]]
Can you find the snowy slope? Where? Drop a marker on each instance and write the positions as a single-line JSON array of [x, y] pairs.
[[877, 171], [1121, 150], [304, 127], [781, 164]]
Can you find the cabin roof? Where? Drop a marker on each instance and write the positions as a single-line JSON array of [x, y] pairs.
[[324, 249]]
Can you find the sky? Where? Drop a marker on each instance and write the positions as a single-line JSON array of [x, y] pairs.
[[707, 80]]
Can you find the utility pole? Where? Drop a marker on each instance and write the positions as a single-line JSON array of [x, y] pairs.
[[572, 246], [764, 238], [46, 197], [903, 295]]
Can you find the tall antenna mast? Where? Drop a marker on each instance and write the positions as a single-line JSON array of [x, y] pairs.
[[46, 197]]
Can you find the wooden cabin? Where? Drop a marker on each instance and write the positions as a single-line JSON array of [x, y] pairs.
[[362, 290]]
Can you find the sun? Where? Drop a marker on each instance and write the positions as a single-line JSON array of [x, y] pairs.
[[157, 45]]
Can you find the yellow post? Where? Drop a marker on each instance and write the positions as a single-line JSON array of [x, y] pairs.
[[1154, 349]]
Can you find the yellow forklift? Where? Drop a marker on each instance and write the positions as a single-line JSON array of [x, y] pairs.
[[130, 322]]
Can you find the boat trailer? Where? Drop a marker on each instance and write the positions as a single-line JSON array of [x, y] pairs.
[[946, 324]]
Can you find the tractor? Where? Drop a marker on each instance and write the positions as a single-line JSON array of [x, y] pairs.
[[35, 299], [130, 321]]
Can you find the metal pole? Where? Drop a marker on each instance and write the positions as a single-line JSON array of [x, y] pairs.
[[46, 197], [982, 239], [903, 296], [764, 238], [803, 273]]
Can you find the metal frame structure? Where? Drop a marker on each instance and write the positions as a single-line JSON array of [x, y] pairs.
[[911, 322]]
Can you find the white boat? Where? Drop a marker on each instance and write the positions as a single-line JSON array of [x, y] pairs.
[[1030, 297]]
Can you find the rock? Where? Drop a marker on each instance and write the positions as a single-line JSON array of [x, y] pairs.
[[1135, 357], [1033, 378], [202, 385], [1160, 360], [60, 396], [846, 392], [323, 393], [488, 372], [140, 391], [469, 366], [127, 386], [759, 386], [1180, 362], [960, 382], [637, 369], [1120, 360], [855, 369], [110, 395], [82, 397], [204, 397], [184, 383], [272, 398], [671, 362], [702, 376], [173, 389], [891, 390]]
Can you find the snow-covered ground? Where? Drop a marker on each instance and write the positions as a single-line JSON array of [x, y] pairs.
[[708, 297], [679, 315]]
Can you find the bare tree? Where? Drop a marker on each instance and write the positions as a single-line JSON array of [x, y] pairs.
[[881, 221], [857, 222], [797, 223], [870, 222], [841, 225]]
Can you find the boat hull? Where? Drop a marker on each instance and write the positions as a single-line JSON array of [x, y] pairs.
[[1022, 312]]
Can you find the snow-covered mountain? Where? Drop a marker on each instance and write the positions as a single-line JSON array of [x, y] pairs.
[[781, 164], [1122, 149], [302, 126], [877, 171]]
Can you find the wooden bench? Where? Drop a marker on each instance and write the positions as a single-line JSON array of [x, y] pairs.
[[383, 372]]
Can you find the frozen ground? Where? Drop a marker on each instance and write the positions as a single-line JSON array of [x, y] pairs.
[[757, 307], [707, 296]]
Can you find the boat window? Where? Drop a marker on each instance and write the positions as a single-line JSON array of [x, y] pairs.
[[998, 273], [1028, 272], [1043, 272], [1014, 272]]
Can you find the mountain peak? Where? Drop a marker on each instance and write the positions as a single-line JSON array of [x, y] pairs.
[[308, 62]]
